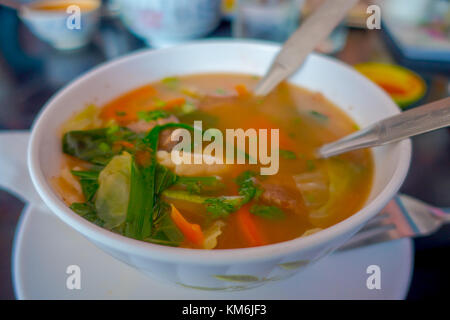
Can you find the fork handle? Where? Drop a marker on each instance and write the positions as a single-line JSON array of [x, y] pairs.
[[303, 41], [419, 120]]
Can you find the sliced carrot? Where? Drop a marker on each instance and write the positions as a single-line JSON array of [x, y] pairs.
[[125, 108], [125, 144], [241, 90], [174, 103], [191, 231], [248, 226]]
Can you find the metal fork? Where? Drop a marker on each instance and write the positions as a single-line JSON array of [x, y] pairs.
[[404, 216]]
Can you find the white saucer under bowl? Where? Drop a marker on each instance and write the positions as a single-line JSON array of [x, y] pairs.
[[44, 247]]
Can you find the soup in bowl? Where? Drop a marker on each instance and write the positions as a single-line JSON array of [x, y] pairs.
[[107, 153]]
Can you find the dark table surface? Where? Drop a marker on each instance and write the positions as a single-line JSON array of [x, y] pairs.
[[31, 71]]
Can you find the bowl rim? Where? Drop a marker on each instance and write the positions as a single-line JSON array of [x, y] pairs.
[[200, 256]]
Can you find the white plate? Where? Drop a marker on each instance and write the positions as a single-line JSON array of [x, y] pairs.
[[44, 247]]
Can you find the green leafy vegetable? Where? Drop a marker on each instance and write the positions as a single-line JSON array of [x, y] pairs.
[[310, 165], [145, 186], [88, 181], [165, 231], [268, 212], [199, 185], [286, 154], [171, 82], [87, 211], [247, 187], [222, 206], [318, 115], [221, 91], [96, 146], [152, 115], [164, 178]]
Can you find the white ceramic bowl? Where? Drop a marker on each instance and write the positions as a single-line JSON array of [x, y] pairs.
[[163, 23], [52, 26], [231, 269]]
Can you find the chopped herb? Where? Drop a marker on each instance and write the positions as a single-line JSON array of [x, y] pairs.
[[121, 113], [296, 121], [356, 127], [103, 146], [171, 82], [222, 206], [310, 165], [318, 115], [152, 115], [268, 212], [247, 187], [160, 103], [286, 154], [221, 91], [113, 129], [198, 185]]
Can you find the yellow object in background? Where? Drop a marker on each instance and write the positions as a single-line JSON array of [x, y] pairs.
[[404, 86], [228, 7]]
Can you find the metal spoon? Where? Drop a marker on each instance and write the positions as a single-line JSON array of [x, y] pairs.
[[303, 41], [419, 120]]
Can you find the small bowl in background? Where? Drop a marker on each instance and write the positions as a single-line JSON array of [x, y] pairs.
[[163, 23], [53, 22]]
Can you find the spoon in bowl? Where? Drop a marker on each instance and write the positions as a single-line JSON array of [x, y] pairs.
[[416, 121], [314, 30]]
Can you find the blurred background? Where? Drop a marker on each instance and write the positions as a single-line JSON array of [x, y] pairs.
[[38, 56]]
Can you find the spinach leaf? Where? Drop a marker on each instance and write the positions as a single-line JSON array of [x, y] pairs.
[[164, 179], [96, 146], [87, 211], [165, 230], [144, 188], [268, 212], [88, 181]]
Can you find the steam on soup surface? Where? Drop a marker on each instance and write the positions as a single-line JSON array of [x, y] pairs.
[[118, 173]]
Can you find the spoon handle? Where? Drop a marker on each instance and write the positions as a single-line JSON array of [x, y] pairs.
[[419, 120], [303, 41]]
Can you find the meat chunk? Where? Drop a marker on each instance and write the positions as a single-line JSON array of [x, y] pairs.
[[282, 196], [165, 143]]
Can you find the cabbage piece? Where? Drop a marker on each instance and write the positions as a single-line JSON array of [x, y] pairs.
[[88, 118], [212, 234], [341, 174], [114, 191], [310, 232], [314, 188]]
